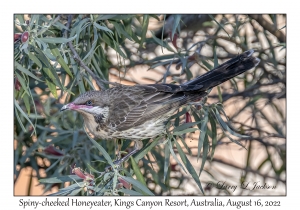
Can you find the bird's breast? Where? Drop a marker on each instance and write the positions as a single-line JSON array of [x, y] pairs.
[[96, 127]]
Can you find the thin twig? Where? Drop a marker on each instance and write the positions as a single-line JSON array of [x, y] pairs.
[[270, 27]]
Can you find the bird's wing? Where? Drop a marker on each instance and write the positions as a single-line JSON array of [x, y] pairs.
[[133, 105]]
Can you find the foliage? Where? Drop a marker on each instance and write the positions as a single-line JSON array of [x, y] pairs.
[[58, 57]]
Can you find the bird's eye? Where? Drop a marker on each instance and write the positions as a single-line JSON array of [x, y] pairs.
[[89, 103]]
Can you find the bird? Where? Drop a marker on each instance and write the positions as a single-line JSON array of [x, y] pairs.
[[141, 112]]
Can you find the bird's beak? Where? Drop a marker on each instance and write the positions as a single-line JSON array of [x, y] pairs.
[[65, 107]]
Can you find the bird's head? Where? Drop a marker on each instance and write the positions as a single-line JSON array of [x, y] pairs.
[[86, 103]]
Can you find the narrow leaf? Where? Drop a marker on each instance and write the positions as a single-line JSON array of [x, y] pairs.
[[167, 162], [60, 59], [137, 184], [137, 171], [55, 40], [189, 166], [102, 150], [60, 179], [202, 134], [205, 152], [144, 29], [103, 28], [26, 71], [188, 130], [175, 24], [185, 126], [130, 192]]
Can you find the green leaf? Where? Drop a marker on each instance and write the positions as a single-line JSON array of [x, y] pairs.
[[137, 171], [160, 58], [35, 59], [167, 162], [226, 126], [60, 179], [52, 88], [26, 71], [60, 59], [213, 134], [188, 130], [185, 145], [120, 29], [25, 116], [113, 45], [202, 134], [77, 75], [114, 17], [189, 166], [175, 24], [55, 40], [130, 192], [146, 150], [20, 18], [75, 191], [174, 156], [102, 150], [186, 125], [26, 101], [22, 81], [215, 58], [51, 74], [93, 45], [162, 43], [69, 189], [144, 29], [205, 152], [184, 110], [105, 17], [92, 169], [41, 56], [103, 28], [137, 184], [20, 121]]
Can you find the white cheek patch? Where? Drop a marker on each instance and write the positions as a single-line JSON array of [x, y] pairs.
[[96, 110]]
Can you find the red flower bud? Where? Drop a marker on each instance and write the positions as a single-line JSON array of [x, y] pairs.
[[17, 36], [51, 150], [124, 183], [188, 117], [89, 177], [173, 167], [78, 172], [174, 41], [25, 36], [17, 85]]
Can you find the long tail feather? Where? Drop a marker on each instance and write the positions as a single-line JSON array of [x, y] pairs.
[[223, 72]]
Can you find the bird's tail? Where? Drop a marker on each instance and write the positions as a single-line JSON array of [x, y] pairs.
[[223, 72]]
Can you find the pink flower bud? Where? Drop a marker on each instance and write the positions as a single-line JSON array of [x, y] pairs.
[[78, 172], [51, 150], [25, 36], [124, 183]]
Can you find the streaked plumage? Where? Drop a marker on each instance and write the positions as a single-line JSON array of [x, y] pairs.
[[141, 111]]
